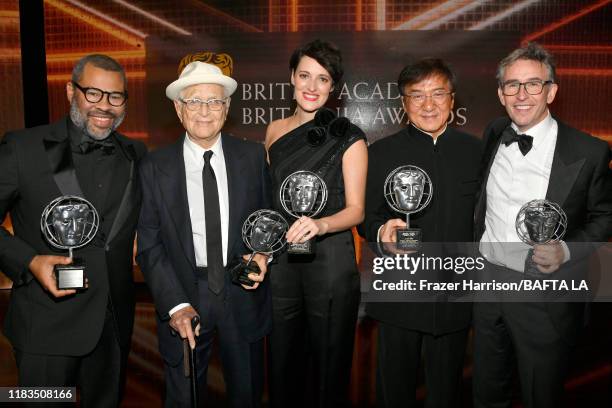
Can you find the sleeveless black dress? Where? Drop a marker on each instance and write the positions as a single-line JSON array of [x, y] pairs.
[[315, 297]]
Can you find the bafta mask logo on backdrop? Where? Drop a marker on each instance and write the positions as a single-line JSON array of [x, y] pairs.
[[223, 61]]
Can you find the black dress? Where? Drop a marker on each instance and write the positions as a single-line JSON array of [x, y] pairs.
[[315, 298]]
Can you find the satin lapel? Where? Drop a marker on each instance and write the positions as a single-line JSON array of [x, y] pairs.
[[129, 199], [489, 155], [173, 186], [236, 184], [564, 170], [59, 154]]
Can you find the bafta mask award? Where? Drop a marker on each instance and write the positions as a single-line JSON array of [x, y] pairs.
[[303, 193], [539, 222], [69, 222], [408, 190], [263, 233]]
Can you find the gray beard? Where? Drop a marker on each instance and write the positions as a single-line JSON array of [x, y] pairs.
[[81, 122]]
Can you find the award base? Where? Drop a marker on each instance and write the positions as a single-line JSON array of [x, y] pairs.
[[305, 248], [240, 273], [70, 276], [409, 239]]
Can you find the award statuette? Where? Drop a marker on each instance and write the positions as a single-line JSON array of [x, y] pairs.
[[69, 222], [263, 233], [303, 193], [408, 189], [539, 222]]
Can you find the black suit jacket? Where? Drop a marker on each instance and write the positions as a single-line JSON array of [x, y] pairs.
[[581, 183], [36, 167], [453, 165], [165, 241]]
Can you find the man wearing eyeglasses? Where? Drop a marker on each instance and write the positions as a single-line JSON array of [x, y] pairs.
[[451, 158], [196, 195], [73, 337], [532, 155]]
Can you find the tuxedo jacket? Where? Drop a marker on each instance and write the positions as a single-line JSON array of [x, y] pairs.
[[581, 183], [36, 167], [165, 241], [452, 164]]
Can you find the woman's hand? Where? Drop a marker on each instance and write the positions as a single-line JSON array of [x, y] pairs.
[[305, 228]]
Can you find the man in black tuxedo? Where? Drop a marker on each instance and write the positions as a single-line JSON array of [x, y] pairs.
[[69, 337], [549, 160], [196, 195], [451, 159]]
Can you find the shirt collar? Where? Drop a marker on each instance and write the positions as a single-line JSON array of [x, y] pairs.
[[194, 153], [539, 132], [434, 139]]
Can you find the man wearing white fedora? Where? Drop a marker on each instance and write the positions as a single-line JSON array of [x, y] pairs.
[[196, 194]]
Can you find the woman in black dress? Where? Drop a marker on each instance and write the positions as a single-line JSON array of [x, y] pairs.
[[316, 297]]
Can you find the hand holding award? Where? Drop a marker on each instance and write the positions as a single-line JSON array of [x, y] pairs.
[[303, 193], [263, 233], [408, 189]]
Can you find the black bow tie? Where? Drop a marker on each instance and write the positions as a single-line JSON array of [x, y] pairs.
[[510, 136], [88, 145]]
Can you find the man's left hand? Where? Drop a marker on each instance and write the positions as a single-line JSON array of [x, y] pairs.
[[548, 257], [262, 263]]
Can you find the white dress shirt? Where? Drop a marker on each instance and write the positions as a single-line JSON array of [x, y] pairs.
[[514, 180], [193, 156]]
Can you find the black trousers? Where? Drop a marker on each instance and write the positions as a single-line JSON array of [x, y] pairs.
[[98, 375], [398, 360], [315, 301], [242, 362], [505, 332]]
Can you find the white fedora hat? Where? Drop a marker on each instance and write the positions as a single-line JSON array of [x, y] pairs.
[[198, 72]]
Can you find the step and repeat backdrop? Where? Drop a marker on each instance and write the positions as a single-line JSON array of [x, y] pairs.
[[368, 94]]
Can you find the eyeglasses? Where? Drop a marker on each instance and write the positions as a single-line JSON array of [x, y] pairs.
[[438, 97], [95, 95], [533, 87], [196, 104]]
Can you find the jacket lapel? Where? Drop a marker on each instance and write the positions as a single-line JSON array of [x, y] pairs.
[[493, 140], [173, 186], [565, 168], [130, 194], [59, 154], [235, 188]]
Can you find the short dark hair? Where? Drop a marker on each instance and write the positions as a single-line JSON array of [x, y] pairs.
[[424, 68], [325, 53], [99, 61], [532, 51]]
